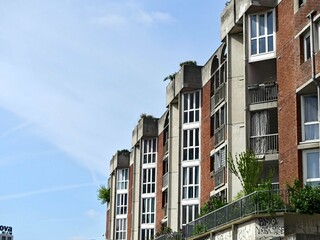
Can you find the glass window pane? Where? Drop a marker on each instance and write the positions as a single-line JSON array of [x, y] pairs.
[[270, 22], [191, 101], [270, 44], [185, 101], [254, 46], [313, 165], [197, 100], [310, 108], [262, 45], [261, 25], [253, 26]]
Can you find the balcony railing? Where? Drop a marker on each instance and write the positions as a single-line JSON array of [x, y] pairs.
[[265, 144], [171, 236], [220, 135], [219, 178], [219, 96], [165, 180], [263, 93], [254, 203]]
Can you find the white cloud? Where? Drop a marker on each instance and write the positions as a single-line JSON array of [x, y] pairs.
[[153, 17], [92, 213], [43, 191], [111, 20]]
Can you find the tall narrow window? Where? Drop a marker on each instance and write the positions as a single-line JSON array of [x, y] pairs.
[[306, 46], [148, 210], [189, 213], [310, 126], [121, 228], [311, 165], [149, 180], [191, 144], [122, 179], [122, 201], [262, 33], [190, 182], [191, 107], [149, 151]]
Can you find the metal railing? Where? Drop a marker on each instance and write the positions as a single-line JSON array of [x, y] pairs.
[[219, 178], [218, 96], [220, 135], [264, 144], [258, 202], [171, 236], [263, 93], [165, 180]]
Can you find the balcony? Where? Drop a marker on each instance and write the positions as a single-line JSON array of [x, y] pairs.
[[264, 144], [262, 93], [219, 178], [165, 180], [254, 203], [219, 96], [220, 135]]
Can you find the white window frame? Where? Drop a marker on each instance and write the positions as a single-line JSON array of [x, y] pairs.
[[121, 228], [302, 3], [191, 144], [267, 54], [149, 155], [306, 56], [303, 123], [122, 179], [194, 208], [149, 233], [219, 161], [148, 215], [191, 107], [122, 204], [190, 183], [307, 180], [148, 180]]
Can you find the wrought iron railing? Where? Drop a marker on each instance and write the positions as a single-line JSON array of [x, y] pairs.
[[264, 144], [263, 93], [268, 201]]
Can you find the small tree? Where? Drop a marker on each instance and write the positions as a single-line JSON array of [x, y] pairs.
[[247, 169], [104, 194]]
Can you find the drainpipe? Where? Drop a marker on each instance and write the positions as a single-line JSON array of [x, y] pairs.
[[313, 64]]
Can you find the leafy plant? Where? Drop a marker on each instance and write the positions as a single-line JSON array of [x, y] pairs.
[[212, 204], [247, 169], [169, 234], [104, 194], [172, 76], [199, 228], [304, 199]]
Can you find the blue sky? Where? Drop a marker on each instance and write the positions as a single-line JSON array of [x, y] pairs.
[[75, 75]]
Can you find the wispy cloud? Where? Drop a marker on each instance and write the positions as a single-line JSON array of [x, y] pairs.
[[15, 129], [153, 17], [111, 20], [43, 191], [92, 213]]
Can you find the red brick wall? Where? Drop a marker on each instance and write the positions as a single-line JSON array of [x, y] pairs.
[[130, 200], [292, 72], [159, 211], [206, 146]]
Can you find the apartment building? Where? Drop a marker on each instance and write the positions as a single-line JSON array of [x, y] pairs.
[[259, 91]]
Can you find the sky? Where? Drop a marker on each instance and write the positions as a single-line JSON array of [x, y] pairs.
[[75, 75]]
